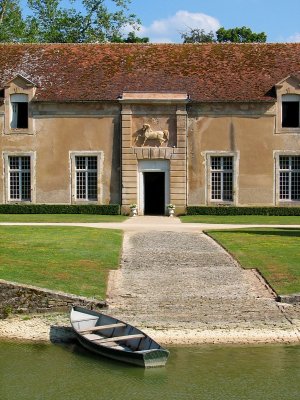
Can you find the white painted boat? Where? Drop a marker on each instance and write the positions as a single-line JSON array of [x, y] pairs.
[[116, 339]]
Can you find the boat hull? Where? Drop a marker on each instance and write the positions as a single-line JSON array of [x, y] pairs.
[[153, 357]]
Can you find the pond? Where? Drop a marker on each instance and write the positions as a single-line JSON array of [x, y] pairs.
[[65, 372]]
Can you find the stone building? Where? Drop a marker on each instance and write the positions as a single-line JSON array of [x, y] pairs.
[[208, 124]]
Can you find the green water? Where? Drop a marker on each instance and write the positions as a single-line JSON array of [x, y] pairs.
[[63, 372]]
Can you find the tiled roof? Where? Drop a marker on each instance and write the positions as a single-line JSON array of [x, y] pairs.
[[207, 72]]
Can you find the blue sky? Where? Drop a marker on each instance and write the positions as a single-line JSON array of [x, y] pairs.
[[163, 20]]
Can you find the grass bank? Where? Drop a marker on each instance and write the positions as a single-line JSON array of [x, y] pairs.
[[69, 259], [61, 218], [274, 252], [242, 219]]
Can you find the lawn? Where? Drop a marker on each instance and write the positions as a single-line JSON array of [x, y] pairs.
[[242, 219], [61, 218], [69, 259], [274, 252]]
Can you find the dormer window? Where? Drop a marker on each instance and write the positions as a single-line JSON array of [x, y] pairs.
[[290, 111], [18, 106], [19, 111]]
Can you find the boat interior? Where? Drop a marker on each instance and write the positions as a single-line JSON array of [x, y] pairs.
[[109, 332]]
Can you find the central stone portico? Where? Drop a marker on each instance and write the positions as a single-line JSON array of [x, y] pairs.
[[154, 168]]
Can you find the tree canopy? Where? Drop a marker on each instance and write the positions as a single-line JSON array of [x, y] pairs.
[[12, 25], [50, 22], [232, 35], [131, 38]]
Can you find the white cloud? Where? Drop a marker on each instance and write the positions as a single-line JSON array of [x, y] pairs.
[[294, 38], [168, 30]]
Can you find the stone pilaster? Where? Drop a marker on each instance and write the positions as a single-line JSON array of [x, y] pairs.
[[129, 160], [178, 164]]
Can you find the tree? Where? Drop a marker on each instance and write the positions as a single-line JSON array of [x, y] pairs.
[[234, 35], [50, 22], [240, 35], [131, 38], [196, 35], [12, 26]]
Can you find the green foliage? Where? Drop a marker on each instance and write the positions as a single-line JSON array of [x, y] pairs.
[[222, 35], [131, 38], [240, 35], [196, 35], [242, 219], [12, 25], [51, 22], [110, 209], [63, 218], [203, 210]]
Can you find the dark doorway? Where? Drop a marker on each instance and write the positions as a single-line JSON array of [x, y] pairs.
[[154, 190]]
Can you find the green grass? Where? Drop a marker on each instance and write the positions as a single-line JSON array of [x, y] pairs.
[[61, 218], [242, 219], [69, 259], [273, 251]]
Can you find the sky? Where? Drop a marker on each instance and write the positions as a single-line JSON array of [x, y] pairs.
[[164, 20]]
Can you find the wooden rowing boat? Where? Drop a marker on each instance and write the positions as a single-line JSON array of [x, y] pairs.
[[116, 339]]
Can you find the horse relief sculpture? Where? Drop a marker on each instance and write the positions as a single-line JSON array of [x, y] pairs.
[[149, 134]]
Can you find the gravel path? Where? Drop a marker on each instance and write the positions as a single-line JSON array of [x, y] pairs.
[[186, 289], [181, 287]]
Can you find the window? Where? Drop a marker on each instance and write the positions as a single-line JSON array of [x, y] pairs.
[[86, 171], [221, 178], [19, 111], [289, 178], [19, 178], [290, 111]]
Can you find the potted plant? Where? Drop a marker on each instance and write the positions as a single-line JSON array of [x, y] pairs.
[[133, 209], [171, 208]]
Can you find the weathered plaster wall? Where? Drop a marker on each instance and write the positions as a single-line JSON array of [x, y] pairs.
[[248, 131], [60, 129], [243, 129]]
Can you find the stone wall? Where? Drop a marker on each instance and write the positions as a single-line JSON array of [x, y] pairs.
[[16, 298]]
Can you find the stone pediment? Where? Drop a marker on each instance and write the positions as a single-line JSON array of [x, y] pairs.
[[290, 84], [21, 81]]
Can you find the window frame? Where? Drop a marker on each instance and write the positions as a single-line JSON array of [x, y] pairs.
[[234, 170], [286, 90], [15, 100], [19, 86], [7, 180], [289, 171], [74, 170], [290, 98]]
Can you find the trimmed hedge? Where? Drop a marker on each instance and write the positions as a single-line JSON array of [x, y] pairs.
[[110, 209], [227, 210]]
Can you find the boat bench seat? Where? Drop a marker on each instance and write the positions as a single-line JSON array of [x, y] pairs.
[[114, 345], [125, 337], [102, 327], [103, 340], [92, 336]]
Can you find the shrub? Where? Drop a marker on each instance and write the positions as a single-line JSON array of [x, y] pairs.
[[110, 209], [228, 210]]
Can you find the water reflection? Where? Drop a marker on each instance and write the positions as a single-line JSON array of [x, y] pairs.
[[63, 372]]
